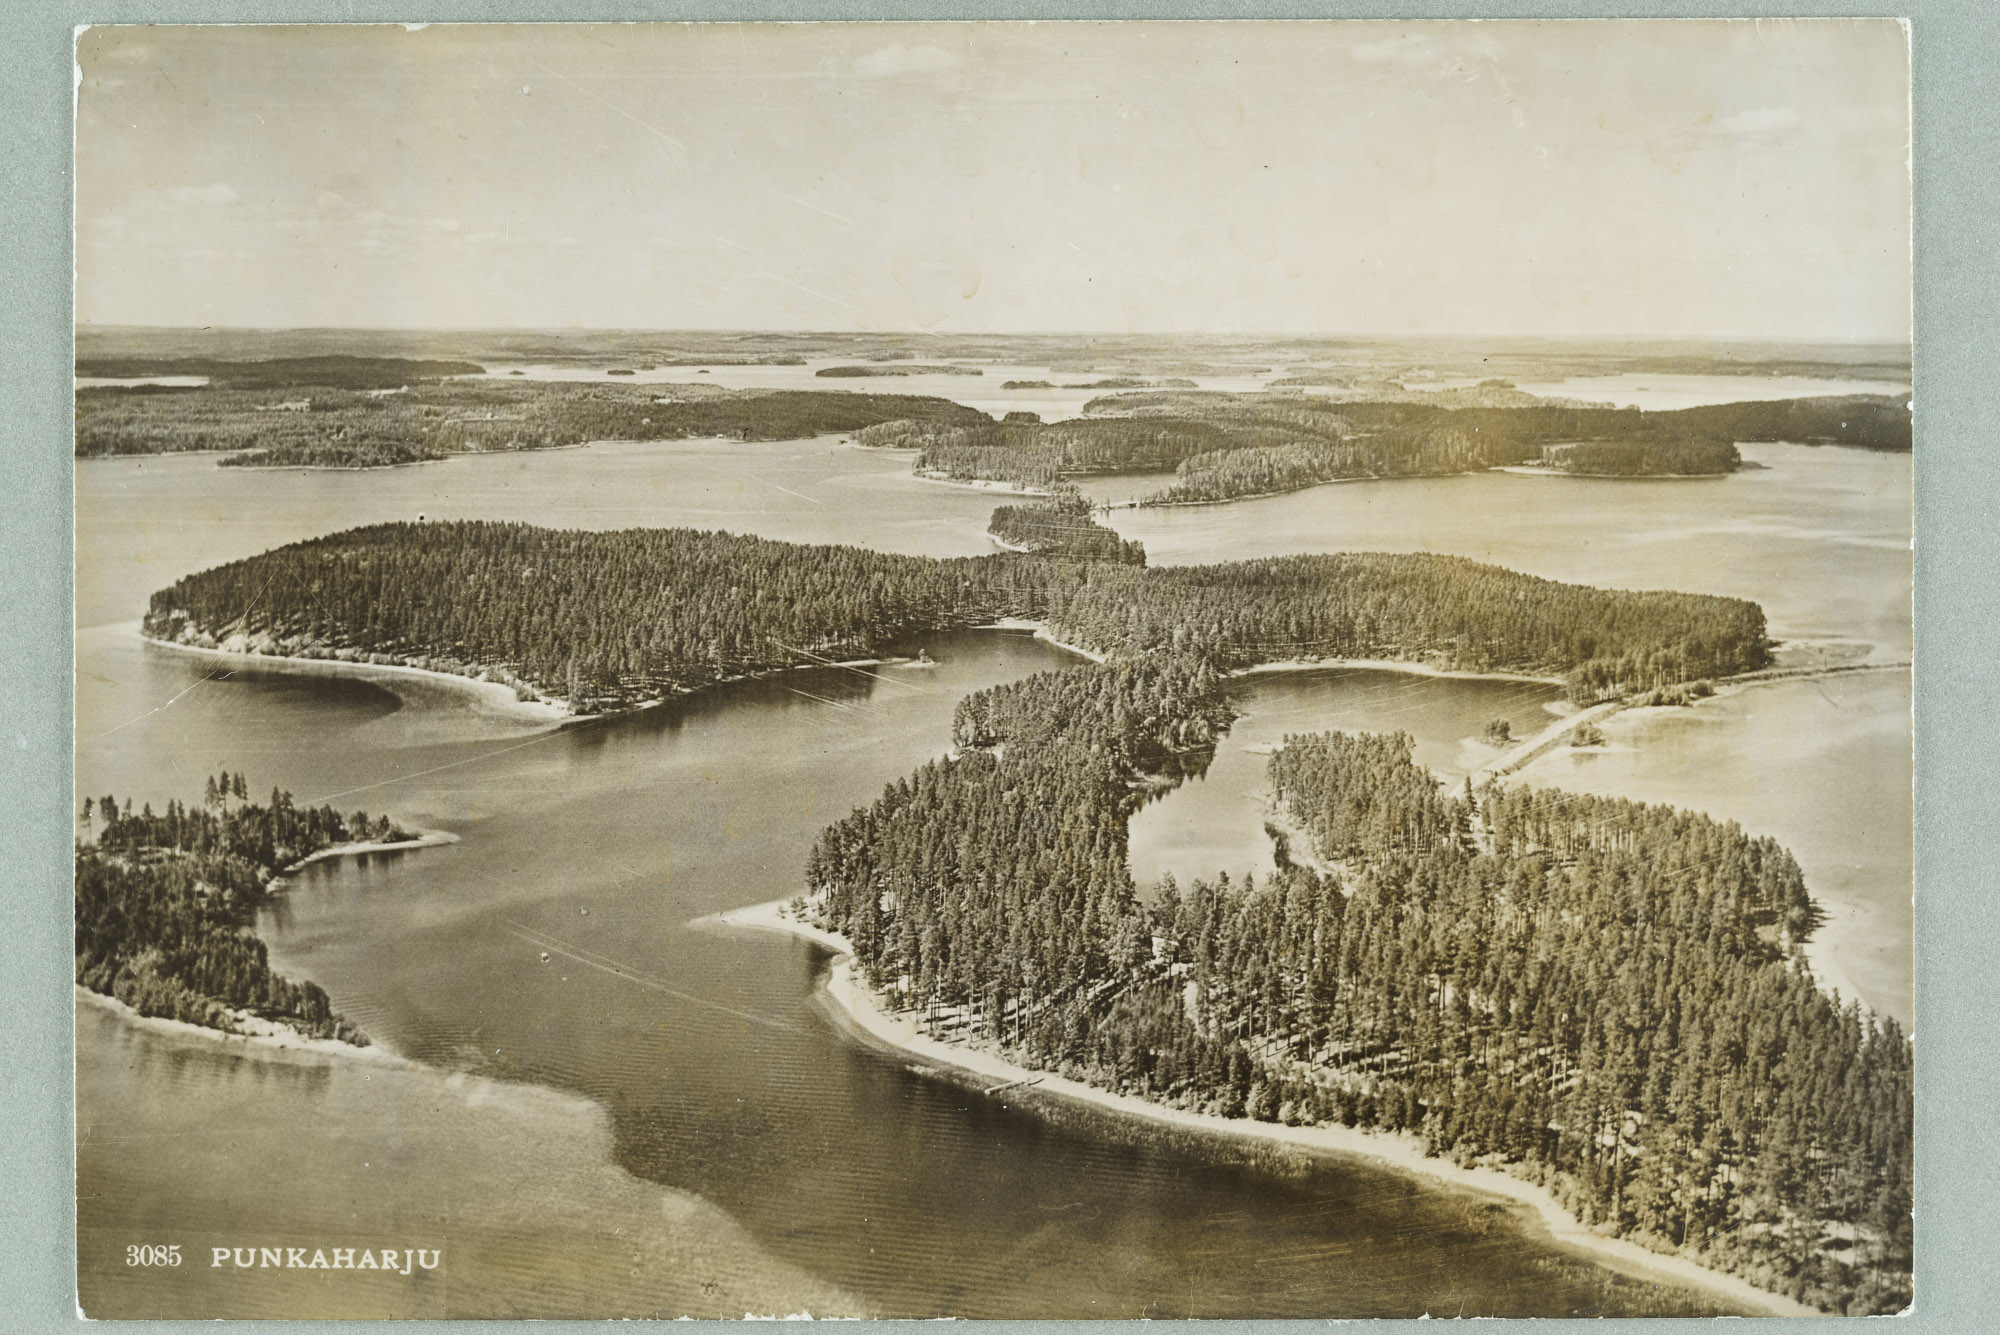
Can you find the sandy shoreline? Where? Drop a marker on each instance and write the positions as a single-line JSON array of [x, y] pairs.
[[493, 697], [1041, 632], [978, 484], [269, 1035], [1524, 470], [1389, 665], [363, 847], [865, 1021], [1524, 753]]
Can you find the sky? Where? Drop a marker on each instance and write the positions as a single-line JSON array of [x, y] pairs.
[[1738, 179]]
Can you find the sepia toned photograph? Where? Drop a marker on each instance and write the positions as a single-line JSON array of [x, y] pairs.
[[994, 670]]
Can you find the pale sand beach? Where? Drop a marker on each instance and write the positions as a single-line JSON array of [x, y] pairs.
[[1042, 633], [424, 839], [1528, 470], [1388, 665], [1524, 752], [493, 698], [864, 1020], [980, 484], [489, 697], [257, 1033]]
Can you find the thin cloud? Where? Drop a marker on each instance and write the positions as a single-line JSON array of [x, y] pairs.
[[1762, 121], [895, 60], [1403, 49], [215, 196]]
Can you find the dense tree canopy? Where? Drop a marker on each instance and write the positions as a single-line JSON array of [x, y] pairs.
[[164, 903], [1225, 446], [1061, 526], [309, 424], [606, 620], [1605, 996], [323, 372]]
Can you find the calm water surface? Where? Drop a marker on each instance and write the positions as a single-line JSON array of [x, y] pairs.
[[1664, 393], [983, 386], [602, 844], [1820, 537], [1216, 822], [1824, 767]]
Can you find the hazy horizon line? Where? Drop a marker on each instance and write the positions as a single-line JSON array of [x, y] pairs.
[[1824, 341]]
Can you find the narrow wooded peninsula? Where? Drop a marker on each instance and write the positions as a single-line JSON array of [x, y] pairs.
[[1605, 998], [607, 621], [164, 903], [1223, 446]]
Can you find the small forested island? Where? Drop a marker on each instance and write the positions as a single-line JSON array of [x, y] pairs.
[[164, 904], [893, 369], [609, 620], [1061, 526], [305, 424], [1132, 382], [1223, 446]]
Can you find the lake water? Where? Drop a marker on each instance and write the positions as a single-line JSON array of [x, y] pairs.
[[1819, 537], [720, 1075], [848, 1176], [1821, 765], [1216, 822], [981, 386], [1664, 393]]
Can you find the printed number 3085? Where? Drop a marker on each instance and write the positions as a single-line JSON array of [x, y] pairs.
[[151, 1255]]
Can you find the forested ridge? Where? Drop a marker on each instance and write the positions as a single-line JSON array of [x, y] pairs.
[[164, 904], [608, 620], [312, 425], [1603, 997], [1038, 454], [892, 369], [1444, 610], [323, 372], [1224, 446]]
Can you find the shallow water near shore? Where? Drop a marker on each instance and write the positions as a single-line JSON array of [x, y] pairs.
[[600, 844], [719, 1074]]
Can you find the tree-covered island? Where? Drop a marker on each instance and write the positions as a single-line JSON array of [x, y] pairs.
[[164, 904], [606, 621], [1222, 446], [311, 423], [1062, 525]]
